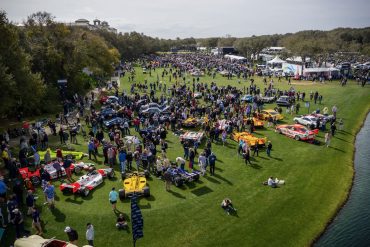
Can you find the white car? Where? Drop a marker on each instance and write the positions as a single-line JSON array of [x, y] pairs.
[[306, 120], [38, 241], [192, 136], [87, 182]]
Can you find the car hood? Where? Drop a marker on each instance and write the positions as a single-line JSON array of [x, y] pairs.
[[34, 241]]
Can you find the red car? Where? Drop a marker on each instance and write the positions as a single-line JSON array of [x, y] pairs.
[[297, 131], [34, 175]]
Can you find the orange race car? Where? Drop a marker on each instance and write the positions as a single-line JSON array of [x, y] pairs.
[[249, 138], [257, 122]]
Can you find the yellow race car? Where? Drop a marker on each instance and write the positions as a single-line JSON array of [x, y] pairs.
[[190, 122], [248, 138], [53, 154], [265, 114], [135, 183], [257, 122]]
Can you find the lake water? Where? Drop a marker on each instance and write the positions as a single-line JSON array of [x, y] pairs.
[[351, 227]]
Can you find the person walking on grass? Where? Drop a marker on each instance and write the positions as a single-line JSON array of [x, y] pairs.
[[167, 178], [327, 139], [202, 161], [255, 148], [113, 197], [212, 163], [91, 149], [269, 148], [72, 235], [90, 234], [36, 221], [247, 156], [224, 136], [50, 193]]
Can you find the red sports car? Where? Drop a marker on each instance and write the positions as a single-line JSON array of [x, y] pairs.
[[297, 131]]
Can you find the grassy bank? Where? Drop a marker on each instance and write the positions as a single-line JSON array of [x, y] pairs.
[[317, 182]]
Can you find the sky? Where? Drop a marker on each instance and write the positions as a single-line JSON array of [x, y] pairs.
[[202, 18]]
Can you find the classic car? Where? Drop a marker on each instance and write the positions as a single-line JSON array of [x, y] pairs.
[[87, 182], [284, 101], [135, 183], [192, 136], [307, 120], [247, 98], [248, 138], [297, 131], [190, 122], [113, 122], [266, 114], [38, 241]]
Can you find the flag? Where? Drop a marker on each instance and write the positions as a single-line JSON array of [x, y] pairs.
[[137, 219]]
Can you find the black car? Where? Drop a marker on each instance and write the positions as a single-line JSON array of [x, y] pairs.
[[284, 101]]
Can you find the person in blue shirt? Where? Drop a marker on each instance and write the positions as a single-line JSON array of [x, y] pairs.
[[212, 163], [50, 193], [122, 160], [113, 197], [91, 149], [3, 189]]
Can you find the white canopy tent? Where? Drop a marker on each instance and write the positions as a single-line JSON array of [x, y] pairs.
[[276, 60]]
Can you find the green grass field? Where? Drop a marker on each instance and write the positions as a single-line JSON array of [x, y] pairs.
[[317, 182]]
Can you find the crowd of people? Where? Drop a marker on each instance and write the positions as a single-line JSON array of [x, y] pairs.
[[147, 147]]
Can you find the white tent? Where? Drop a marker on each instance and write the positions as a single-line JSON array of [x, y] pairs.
[[276, 60]]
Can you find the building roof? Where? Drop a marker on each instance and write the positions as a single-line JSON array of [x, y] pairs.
[[96, 20], [82, 20]]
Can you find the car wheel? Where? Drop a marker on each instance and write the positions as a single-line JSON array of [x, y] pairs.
[[85, 192], [111, 175], [146, 191], [35, 180], [121, 194], [297, 138], [77, 170], [178, 182]]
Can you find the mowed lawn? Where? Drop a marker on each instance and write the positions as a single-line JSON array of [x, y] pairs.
[[317, 182]]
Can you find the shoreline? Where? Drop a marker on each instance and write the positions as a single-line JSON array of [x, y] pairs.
[[342, 204]]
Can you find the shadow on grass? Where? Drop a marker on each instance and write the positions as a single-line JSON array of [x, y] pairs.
[[191, 185], [176, 194], [202, 191], [337, 149], [218, 169], [255, 166], [59, 216], [342, 139], [223, 179], [275, 158], [74, 200], [212, 180]]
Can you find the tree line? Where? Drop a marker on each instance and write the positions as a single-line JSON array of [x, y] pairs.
[[40, 52]]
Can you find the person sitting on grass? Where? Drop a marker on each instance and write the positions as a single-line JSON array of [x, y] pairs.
[[228, 206], [271, 182], [121, 222]]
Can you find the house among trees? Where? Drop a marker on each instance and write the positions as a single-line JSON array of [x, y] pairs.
[[97, 25]]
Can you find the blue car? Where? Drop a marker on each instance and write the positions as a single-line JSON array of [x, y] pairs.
[[247, 98], [108, 113], [113, 122]]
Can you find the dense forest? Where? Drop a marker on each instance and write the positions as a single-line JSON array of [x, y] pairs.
[[40, 52]]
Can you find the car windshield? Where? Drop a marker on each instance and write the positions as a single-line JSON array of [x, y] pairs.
[[273, 112], [301, 130]]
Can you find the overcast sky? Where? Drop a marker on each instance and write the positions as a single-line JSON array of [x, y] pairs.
[[202, 18]]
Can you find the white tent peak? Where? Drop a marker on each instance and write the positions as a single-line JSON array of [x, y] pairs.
[[276, 60]]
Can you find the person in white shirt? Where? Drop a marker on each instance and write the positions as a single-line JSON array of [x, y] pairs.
[[271, 182], [90, 234], [202, 161]]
